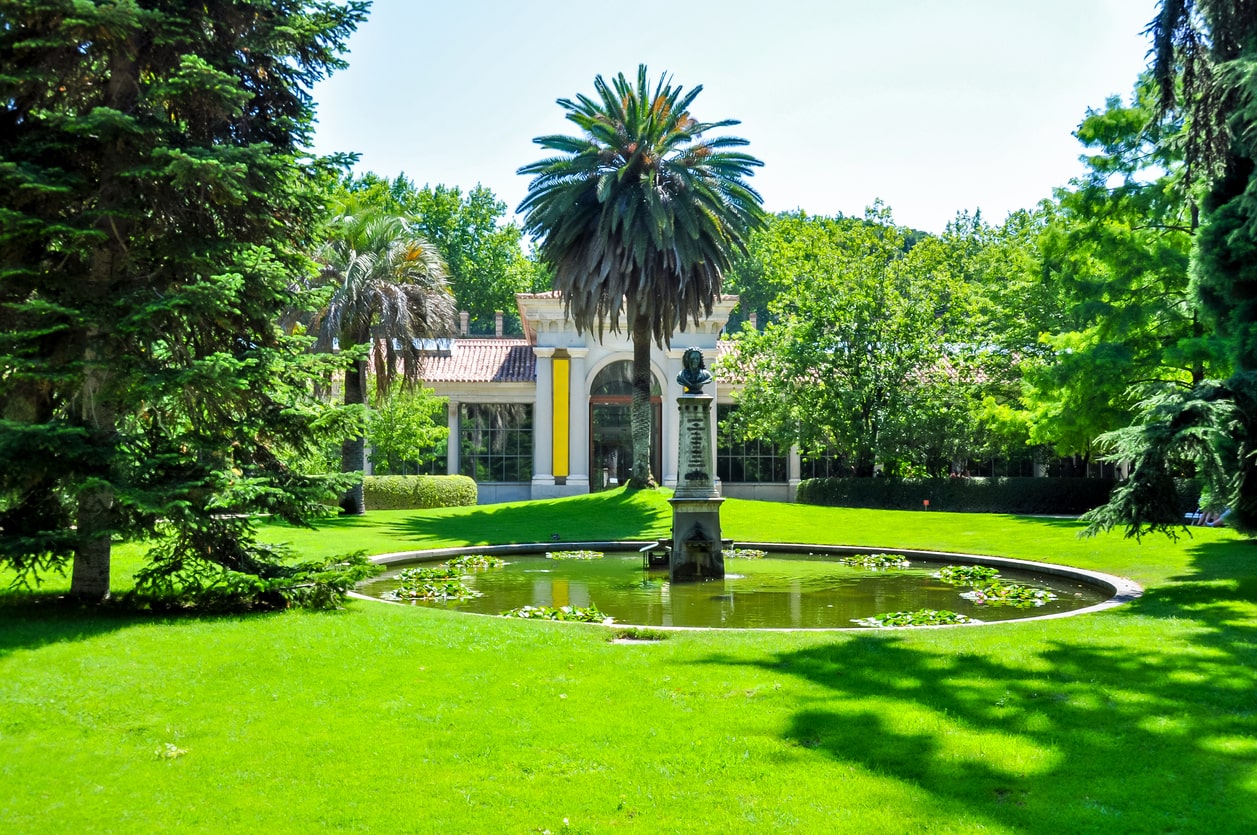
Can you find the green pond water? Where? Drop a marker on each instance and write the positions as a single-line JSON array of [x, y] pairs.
[[779, 591]]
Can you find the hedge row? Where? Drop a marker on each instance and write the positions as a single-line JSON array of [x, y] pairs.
[[411, 492], [1054, 496]]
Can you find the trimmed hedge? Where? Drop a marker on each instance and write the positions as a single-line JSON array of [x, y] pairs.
[[1053, 496], [414, 492]]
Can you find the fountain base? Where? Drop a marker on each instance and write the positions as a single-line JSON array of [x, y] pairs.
[[697, 548]]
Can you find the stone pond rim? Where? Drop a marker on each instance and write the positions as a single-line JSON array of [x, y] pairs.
[[1120, 590]]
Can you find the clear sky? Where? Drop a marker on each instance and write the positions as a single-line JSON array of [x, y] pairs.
[[933, 106]]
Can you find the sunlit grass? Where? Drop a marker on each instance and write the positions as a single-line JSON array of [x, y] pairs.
[[389, 718]]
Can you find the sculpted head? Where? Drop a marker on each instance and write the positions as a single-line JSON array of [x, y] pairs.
[[692, 359]]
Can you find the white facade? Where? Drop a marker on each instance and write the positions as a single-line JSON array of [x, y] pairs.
[[559, 386]]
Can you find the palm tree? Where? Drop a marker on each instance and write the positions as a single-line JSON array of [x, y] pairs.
[[390, 291], [638, 217]]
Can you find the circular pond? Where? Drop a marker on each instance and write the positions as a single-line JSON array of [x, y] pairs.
[[819, 590]]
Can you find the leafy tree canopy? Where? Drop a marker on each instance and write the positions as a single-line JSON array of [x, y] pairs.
[[483, 253], [1206, 70], [868, 353], [1117, 248]]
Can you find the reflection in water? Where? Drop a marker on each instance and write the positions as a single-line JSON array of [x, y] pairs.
[[795, 591]]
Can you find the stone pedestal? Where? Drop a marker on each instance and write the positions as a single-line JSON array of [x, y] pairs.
[[696, 542]]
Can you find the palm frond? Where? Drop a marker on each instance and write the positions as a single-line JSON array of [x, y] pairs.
[[639, 216]]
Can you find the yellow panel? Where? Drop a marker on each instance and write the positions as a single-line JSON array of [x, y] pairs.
[[562, 396]]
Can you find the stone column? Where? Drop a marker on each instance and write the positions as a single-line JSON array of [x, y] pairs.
[[696, 541], [578, 428], [543, 422], [671, 433], [451, 444], [794, 472]]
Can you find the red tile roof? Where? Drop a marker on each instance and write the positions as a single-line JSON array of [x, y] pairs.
[[483, 361]]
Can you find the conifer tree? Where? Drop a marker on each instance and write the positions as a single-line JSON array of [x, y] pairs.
[[1206, 68], [155, 201]]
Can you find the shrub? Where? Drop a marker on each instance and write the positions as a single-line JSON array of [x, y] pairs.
[[413, 492], [1054, 496]]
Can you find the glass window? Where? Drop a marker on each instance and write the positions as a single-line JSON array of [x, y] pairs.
[[617, 380], [827, 464], [746, 461], [495, 441]]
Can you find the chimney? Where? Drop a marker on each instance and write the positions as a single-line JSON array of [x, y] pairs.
[[497, 323], [464, 323], [753, 319]]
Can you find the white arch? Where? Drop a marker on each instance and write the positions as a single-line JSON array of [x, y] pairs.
[[592, 373]]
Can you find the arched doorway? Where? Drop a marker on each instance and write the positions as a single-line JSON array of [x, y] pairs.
[[610, 427]]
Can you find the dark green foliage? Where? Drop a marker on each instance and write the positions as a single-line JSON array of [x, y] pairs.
[[268, 578], [155, 205], [1054, 496], [1206, 70], [1202, 428], [408, 492]]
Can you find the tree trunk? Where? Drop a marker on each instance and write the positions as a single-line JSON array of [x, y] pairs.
[[640, 415], [89, 578], [353, 452], [97, 518]]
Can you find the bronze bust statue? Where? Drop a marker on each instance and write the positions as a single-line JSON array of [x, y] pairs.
[[694, 374]]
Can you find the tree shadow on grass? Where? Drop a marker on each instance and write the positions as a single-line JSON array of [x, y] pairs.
[[1219, 594], [596, 517], [1142, 720], [30, 620], [1098, 736]]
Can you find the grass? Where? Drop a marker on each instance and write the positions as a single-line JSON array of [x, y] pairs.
[[394, 719]]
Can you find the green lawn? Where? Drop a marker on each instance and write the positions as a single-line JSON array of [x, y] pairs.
[[395, 719]]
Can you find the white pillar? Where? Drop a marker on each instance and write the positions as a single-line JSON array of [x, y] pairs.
[[543, 420], [794, 472], [451, 443], [671, 429], [709, 357], [578, 428]]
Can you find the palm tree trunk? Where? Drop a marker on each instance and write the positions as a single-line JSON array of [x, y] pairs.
[[353, 452], [640, 415]]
